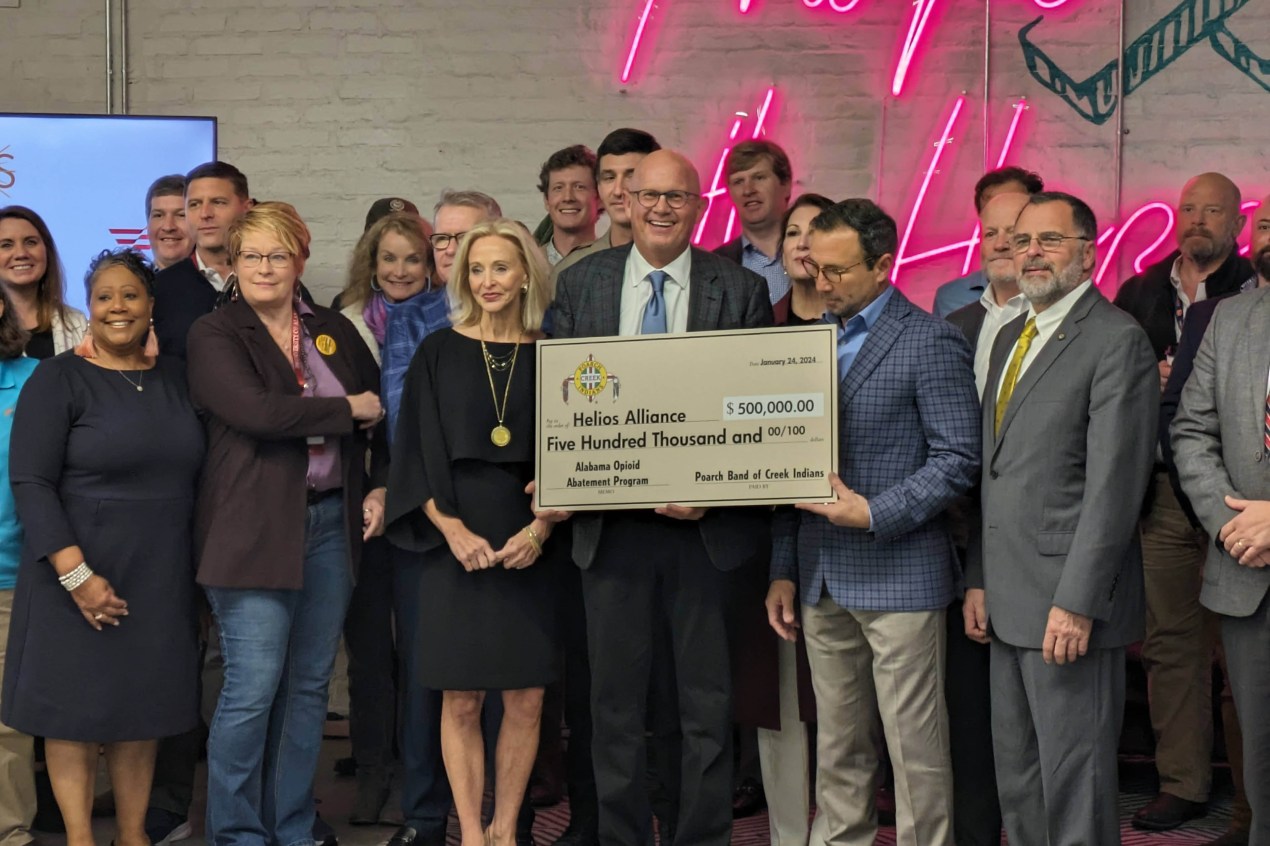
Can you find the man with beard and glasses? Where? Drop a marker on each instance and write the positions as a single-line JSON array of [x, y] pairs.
[[1197, 320], [1055, 575], [1177, 651]]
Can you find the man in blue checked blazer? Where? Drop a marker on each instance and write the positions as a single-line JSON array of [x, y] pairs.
[[875, 570]]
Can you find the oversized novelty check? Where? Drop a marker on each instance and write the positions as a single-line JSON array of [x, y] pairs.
[[704, 418]]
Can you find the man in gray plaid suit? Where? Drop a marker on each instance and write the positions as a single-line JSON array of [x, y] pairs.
[[875, 570]]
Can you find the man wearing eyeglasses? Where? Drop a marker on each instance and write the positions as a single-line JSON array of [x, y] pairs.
[[1054, 578], [872, 573], [674, 560], [1178, 648]]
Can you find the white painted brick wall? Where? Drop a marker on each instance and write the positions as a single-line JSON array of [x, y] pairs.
[[330, 104]]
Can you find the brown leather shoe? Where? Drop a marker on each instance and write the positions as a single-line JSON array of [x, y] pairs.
[[1166, 812]]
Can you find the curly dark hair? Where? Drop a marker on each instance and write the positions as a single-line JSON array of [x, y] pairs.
[[130, 259]]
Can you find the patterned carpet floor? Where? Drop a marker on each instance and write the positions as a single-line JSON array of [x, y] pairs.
[[1137, 788]]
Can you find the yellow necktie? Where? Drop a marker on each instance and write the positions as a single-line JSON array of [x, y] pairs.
[[1012, 372]]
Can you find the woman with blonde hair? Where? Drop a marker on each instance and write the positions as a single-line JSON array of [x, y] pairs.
[[32, 275], [463, 456], [392, 263], [288, 395]]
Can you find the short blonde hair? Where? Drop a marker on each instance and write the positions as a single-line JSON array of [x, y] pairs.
[[534, 301], [361, 268], [280, 220]]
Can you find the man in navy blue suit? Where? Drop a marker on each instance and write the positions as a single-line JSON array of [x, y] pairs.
[[875, 570]]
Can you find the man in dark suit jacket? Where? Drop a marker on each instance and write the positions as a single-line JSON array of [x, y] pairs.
[[1177, 650], [215, 196], [968, 689], [678, 557], [1068, 419]]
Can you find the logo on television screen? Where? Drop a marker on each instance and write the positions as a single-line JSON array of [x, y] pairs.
[[137, 239], [8, 177]]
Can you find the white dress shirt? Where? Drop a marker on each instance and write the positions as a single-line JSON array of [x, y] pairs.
[[210, 273], [1201, 293], [1046, 325], [995, 317], [637, 291]]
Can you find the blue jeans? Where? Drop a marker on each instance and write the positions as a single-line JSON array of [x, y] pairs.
[[279, 648]]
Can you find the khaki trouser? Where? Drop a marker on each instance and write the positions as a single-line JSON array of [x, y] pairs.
[[17, 760], [1178, 650], [862, 663]]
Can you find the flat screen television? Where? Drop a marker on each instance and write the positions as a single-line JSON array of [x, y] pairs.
[[87, 176]]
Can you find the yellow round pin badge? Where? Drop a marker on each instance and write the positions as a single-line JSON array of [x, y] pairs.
[[325, 344]]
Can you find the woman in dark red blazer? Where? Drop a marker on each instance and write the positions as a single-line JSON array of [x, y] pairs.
[[288, 393]]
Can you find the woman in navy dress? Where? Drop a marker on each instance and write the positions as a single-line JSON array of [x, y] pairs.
[[104, 458]]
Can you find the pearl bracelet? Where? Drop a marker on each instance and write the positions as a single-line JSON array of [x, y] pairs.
[[76, 577]]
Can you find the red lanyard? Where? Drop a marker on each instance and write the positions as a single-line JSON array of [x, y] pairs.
[[297, 362]]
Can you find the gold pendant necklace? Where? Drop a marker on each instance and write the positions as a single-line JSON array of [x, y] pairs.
[[500, 435]]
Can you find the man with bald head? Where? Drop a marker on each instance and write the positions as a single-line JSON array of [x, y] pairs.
[[673, 561], [1177, 651]]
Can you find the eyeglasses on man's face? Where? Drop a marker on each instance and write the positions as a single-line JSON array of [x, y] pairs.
[[835, 275], [441, 240], [1051, 242], [675, 199]]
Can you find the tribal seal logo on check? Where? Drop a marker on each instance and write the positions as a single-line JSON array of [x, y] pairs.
[[590, 379]]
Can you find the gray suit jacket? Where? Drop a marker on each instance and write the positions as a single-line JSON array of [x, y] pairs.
[[1064, 479], [721, 295], [1218, 440]]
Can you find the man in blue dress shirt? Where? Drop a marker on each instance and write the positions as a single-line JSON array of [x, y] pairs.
[[871, 573]]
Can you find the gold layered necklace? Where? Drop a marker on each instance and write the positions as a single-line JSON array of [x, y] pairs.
[[500, 435]]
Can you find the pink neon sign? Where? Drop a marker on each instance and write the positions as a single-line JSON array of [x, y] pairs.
[[1116, 234], [635, 41], [921, 14], [718, 185]]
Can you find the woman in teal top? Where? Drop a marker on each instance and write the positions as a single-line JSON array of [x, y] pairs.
[[16, 749]]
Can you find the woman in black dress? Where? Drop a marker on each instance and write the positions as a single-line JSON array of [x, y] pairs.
[[462, 458], [104, 458]]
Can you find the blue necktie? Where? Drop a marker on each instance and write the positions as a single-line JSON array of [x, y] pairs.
[[655, 312]]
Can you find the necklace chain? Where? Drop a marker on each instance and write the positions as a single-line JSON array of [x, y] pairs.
[[137, 384], [499, 412]]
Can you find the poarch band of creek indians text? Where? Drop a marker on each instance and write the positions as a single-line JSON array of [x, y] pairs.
[[704, 418]]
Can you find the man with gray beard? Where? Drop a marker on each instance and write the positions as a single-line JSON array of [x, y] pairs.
[[1177, 651], [1055, 576]]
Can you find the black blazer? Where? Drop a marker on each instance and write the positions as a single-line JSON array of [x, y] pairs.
[[969, 319], [721, 295], [1149, 296], [181, 296], [249, 518], [731, 251]]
